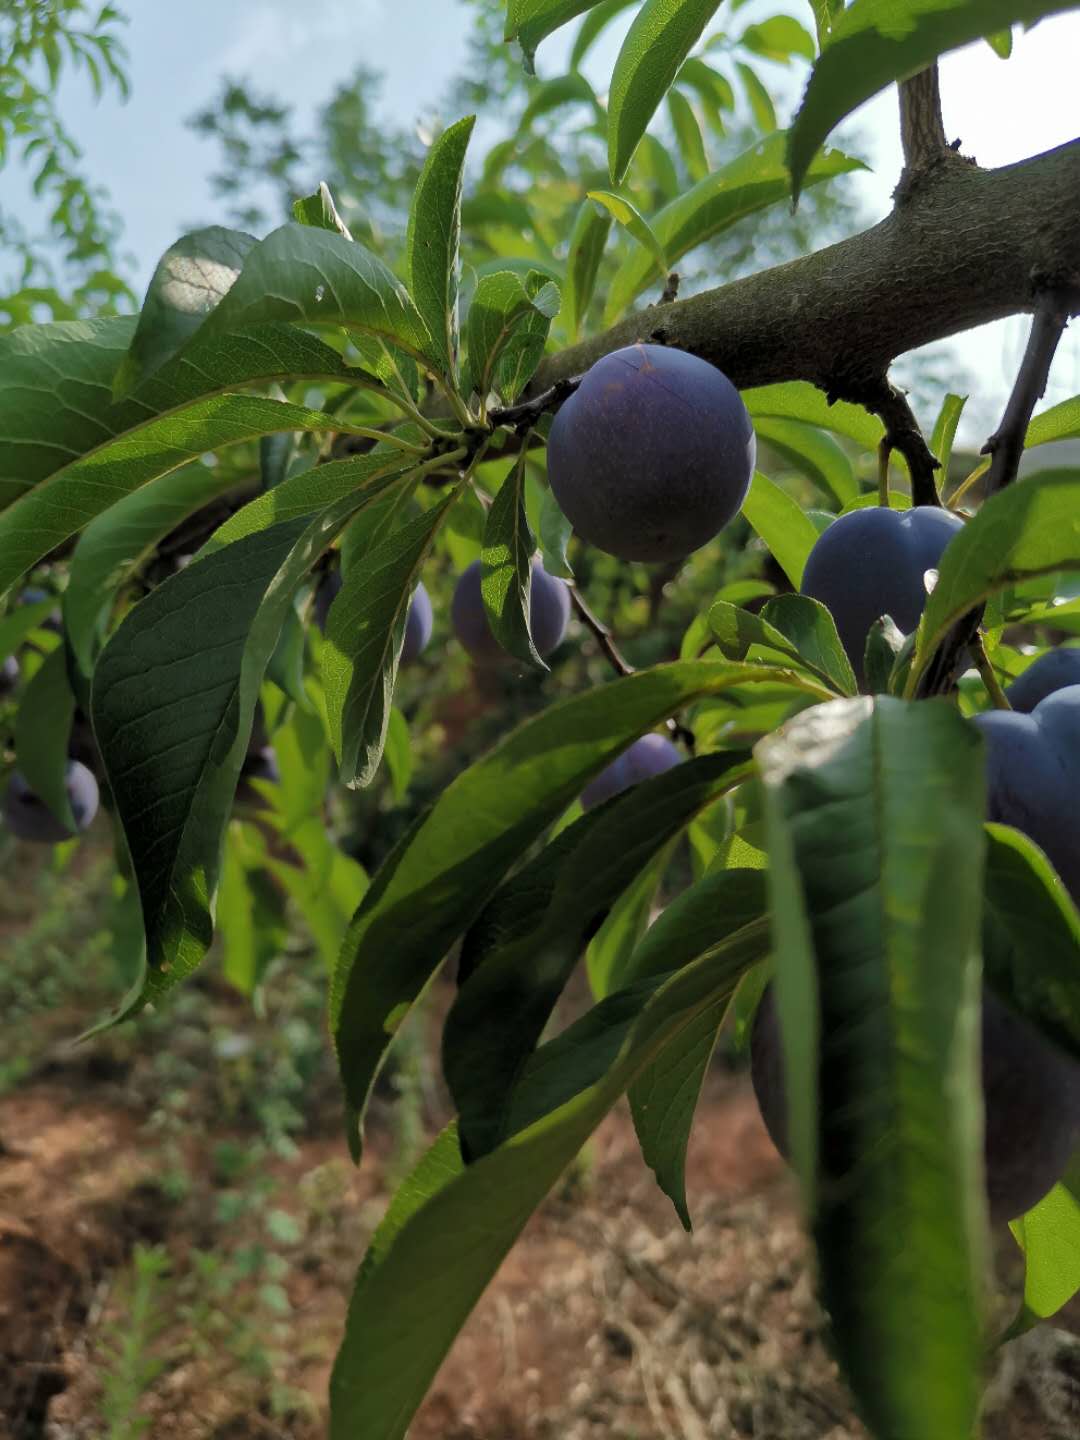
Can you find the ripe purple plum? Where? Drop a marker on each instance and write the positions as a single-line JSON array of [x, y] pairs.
[[549, 614], [1031, 1098], [28, 817], [873, 562], [1053, 671], [649, 756], [9, 675], [418, 625], [652, 455]]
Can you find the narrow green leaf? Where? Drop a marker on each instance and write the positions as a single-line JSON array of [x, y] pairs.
[[587, 241], [798, 400], [825, 11], [506, 569], [555, 533], [941, 442], [1049, 1236], [1027, 530], [787, 531], [319, 209], [250, 914], [874, 821], [525, 347], [285, 667], [399, 760], [430, 1262], [190, 280], [758, 98], [609, 951], [594, 24], [503, 303], [364, 635], [815, 454], [433, 239], [487, 818], [874, 42], [712, 89], [572, 89], [632, 220], [115, 544], [688, 134], [812, 631], [661, 37], [751, 182], [1060, 422], [739, 631], [779, 38], [530, 21], [42, 728]]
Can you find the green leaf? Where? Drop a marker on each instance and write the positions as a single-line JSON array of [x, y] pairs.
[[1060, 422], [874, 822], [688, 134], [173, 715], [712, 89], [249, 915], [778, 38], [1027, 530], [787, 532], [632, 220], [758, 98], [661, 37], [813, 453], [555, 533], [364, 634], [190, 280], [115, 544], [595, 22], [486, 820], [874, 42], [798, 400], [1049, 1236], [430, 1261], [525, 347], [42, 728], [737, 631], [609, 951], [319, 209], [434, 235], [532, 935], [751, 182], [1031, 936], [502, 303], [1001, 42], [810, 628], [587, 241], [572, 89], [530, 21], [15, 627], [506, 569], [941, 442], [399, 759], [824, 13], [285, 667], [46, 516], [725, 908]]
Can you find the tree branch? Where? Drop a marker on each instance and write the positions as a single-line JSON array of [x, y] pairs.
[[903, 435], [922, 130], [604, 637], [1006, 444], [965, 247]]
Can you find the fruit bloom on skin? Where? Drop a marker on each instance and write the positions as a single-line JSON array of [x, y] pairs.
[[1031, 1098], [28, 817], [649, 756], [1053, 671], [873, 562], [549, 614], [652, 455], [1033, 777]]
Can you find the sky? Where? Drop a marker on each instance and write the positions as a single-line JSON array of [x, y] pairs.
[[154, 166]]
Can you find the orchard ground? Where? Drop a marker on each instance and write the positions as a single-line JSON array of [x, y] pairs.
[[606, 1321]]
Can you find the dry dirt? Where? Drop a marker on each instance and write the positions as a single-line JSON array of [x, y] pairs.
[[607, 1321]]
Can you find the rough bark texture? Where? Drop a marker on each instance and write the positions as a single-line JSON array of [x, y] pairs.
[[963, 247], [922, 131]]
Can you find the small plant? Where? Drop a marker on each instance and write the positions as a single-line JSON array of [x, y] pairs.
[[130, 1364]]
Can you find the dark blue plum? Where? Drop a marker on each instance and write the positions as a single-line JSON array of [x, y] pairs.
[[28, 817], [649, 756], [1053, 671], [9, 675], [872, 562], [1033, 777], [549, 614], [652, 455], [418, 625], [1031, 1098]]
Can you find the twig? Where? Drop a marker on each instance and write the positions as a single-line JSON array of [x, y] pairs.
[[1006, 445], [989, 679], [671, 289], [525, 414], [902, 434], [922, 129], [604, 637], [950, 661]]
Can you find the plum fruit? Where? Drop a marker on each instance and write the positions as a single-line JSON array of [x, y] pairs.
[[649, 756], [1031, 1098], [9, 675], [652, 455], [418, 625], [259, 764], [28, 817], [1052, 671], [1033, 777], [870, 563], [549, 614]]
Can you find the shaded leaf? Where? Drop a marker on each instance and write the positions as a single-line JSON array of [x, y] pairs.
[[815, 454], [433, 239], [42, 727], [506, 569], [787, 531], [587, 241]]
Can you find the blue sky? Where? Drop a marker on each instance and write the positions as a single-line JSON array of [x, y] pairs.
[[300, 49]]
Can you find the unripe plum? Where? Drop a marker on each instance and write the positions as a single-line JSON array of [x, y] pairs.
[[872, 562], [549, 614], [1052, 671], [28, 817], [9, 675], [1031, 1099], [418, 624], [1033, 777], [652, 455], [649, 756]]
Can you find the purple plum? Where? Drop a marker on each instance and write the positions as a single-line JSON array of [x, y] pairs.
[[28, 817], [549, 614], [649, 756]]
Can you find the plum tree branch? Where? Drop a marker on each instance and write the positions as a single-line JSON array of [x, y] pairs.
[[965, 246], [922, 129], [1006, 445], [903, 435], [604, 637]]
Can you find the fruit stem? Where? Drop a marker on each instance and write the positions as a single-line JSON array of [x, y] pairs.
[[989, 678], [883, 453]]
